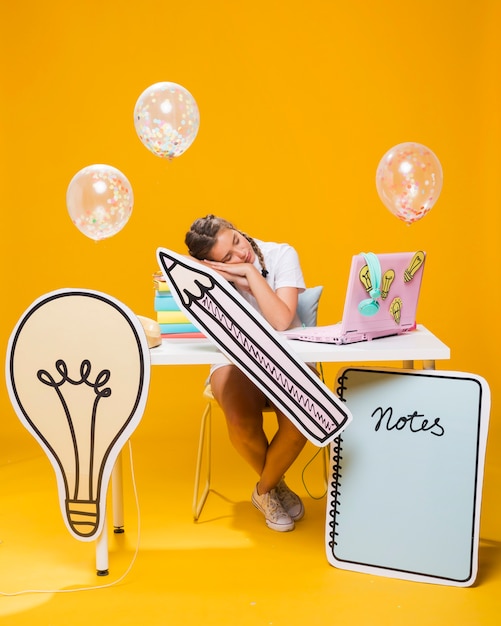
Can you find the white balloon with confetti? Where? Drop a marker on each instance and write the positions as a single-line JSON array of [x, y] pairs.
[[166, 118], [99, 200], [409, 181]]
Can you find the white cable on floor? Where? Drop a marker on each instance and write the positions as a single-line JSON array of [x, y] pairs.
[[115, 582]]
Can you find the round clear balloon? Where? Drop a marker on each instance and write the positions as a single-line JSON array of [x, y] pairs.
[[166, 119], [99, 199], [409, 181]]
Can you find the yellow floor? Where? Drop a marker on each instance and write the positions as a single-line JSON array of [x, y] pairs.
[[227, 569]]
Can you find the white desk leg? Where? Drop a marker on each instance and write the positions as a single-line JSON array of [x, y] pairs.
[[117, 494], [102, 551]]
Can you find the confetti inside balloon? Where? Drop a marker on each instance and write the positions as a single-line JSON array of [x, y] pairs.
[[409, 181], [166, 119], [99, 199]]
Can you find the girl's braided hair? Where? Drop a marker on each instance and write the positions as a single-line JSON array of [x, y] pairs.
[[203, 233]]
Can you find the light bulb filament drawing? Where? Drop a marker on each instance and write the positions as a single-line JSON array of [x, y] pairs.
[[102, 379], [83, 511]]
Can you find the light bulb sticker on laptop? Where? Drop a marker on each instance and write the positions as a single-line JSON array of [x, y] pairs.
[[396, 309], [365, 278], [388, 278], [416, 262]]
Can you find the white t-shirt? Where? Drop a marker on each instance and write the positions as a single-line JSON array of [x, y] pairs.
[[284, 269]]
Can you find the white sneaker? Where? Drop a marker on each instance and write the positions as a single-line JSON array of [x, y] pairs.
[[290, 501], [269, 504]]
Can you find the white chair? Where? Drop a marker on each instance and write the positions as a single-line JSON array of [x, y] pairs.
[[307, 310]]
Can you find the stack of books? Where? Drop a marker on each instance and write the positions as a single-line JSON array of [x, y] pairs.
[[172, 321]]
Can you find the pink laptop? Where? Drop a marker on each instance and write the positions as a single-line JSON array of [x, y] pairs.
[[381, 300]]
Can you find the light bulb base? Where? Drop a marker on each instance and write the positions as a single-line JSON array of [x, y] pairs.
[[83, 516]]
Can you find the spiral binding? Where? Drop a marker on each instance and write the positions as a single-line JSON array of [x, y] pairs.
[[342, 387], [336, 448]]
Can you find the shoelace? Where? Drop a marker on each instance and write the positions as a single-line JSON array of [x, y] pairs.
[[273, 505], [285, 495]]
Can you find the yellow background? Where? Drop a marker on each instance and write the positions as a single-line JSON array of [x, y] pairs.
[[299, 100]]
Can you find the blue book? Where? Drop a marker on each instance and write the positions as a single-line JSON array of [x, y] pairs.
[[165, 303], [168, 329]]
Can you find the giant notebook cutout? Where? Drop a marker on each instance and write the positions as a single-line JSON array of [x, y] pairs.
[[404, 498], [78, 371], [251, 343]]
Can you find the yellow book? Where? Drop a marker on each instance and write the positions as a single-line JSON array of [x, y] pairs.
[[159, 282], [171, 317], [160, 285]]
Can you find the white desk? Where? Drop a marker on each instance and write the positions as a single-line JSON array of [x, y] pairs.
[[420, 344]]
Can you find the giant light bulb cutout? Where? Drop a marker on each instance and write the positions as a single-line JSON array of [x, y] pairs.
[[78, 371]]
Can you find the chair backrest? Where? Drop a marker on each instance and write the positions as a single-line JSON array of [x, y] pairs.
[[307, 305]]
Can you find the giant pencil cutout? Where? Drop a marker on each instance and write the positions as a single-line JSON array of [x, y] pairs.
[[253, 345]]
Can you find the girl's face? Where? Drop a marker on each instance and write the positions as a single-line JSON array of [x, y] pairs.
[[232, 247]]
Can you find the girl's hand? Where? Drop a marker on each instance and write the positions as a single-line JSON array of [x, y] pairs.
[[279, 308], [236, 273], [235, 269]]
